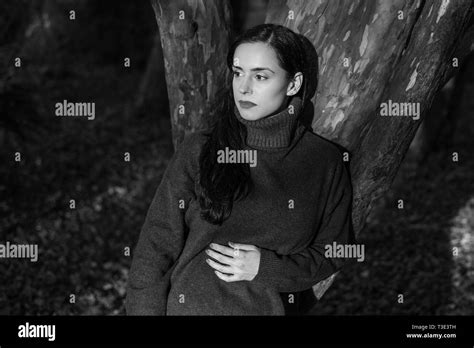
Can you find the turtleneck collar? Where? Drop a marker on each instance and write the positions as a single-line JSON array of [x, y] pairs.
[[275, 131]]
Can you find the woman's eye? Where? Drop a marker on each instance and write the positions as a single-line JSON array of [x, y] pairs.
[[258, 77]]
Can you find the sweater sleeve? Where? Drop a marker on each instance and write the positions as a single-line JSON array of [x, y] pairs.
[[300, 271], [161, 239]]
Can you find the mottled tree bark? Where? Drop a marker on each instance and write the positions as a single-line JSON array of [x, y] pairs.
[[195, 38], [436, 132], [396, 50], [404, 60]]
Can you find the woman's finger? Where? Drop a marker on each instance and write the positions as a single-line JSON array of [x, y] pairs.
[[222, 249], [221, 258], [242, 246], [227, 278], [219, 267]]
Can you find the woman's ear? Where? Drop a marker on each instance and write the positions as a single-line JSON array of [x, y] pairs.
[[295, 84]]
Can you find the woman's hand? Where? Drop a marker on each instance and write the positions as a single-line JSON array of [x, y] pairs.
[[242, 261]]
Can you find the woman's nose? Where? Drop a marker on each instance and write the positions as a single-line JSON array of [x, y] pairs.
[[245, 87]]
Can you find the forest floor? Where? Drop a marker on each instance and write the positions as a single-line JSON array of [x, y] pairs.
[[83, 261]]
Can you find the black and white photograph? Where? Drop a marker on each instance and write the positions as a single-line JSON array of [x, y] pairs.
[[234, 159]]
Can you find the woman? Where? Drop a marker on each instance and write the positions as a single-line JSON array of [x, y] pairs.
[[227, 234]]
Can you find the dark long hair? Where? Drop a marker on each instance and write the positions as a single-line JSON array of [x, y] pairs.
[[222, 183]]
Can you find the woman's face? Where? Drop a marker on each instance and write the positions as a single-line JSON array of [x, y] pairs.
[[260, 80]]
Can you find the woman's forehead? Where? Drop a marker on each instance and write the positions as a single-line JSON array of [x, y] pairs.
[[252, 55]]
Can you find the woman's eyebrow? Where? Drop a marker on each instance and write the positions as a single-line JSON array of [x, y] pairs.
[[254, 69]]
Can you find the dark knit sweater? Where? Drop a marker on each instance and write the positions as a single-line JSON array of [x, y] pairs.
[[301, 201]]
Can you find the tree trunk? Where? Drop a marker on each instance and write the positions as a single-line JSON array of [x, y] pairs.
[[436, 132], [403, 60], [194, 36], [396, 50]]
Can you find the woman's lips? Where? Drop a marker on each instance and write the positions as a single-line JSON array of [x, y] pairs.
[[246, 104]]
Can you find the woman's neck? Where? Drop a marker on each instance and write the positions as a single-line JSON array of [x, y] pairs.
[[273, 131]]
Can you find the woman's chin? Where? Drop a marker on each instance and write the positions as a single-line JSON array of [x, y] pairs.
[[248, 115]]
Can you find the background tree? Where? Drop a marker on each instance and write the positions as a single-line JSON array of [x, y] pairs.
[[195, 37]]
